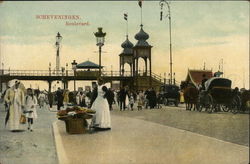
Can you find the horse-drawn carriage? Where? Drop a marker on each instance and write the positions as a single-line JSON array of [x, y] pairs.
[[218, 95]]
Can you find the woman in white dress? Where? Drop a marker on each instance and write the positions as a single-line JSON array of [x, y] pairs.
[[15, 98], [101, 119]]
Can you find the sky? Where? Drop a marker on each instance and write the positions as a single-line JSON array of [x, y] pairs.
[[202, 31]]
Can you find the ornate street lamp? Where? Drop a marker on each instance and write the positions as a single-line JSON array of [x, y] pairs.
[[74, 63], [57, 44], [100, 38], [162, 3]]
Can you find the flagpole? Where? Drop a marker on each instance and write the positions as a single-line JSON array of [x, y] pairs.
[[127, 25], [141, 14]]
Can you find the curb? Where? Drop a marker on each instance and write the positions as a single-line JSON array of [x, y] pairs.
[[61, 155]]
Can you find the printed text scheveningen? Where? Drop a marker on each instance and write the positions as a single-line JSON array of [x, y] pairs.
[[58, 17]]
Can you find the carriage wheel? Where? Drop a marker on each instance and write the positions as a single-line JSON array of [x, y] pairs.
[[209, 103], [236, 103], [176, 103], [225, 108]]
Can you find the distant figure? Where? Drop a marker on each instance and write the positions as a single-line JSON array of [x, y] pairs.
[[204, 79], [59, 97], [131, 101], [80, 99], [65, 98], [41, 99], [140, 100], [110, 97], [51, 99], [15, 98], [122, 98], [182, 97], [30, 105], [93, 95], [152, 98]]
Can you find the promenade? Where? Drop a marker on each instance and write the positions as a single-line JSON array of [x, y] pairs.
[[137, 141], [161, 136]]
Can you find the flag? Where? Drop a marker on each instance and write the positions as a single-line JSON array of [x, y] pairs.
[[140, 3], [126, 17]]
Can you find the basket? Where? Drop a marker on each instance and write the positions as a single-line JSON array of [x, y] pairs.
[[75, 125]]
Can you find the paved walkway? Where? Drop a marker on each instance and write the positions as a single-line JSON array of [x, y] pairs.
[[136, 141], [27, 147]]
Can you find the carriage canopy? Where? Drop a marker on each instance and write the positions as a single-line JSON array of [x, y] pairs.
[[217, 82]]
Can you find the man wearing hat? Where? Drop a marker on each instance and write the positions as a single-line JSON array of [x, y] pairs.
[[15, 98]]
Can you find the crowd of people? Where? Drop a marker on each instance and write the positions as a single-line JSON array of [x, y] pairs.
[[19, 102]]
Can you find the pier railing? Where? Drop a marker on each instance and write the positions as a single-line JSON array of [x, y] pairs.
[[61, 73]]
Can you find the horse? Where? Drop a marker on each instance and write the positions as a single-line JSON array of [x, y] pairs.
[[191, 94]]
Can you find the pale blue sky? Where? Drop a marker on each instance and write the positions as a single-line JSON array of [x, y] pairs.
[[201, 31]]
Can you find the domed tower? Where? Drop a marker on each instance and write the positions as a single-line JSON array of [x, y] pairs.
[[126, 56], [142, 50]]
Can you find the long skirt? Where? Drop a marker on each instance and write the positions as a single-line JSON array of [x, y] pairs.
[[101, 118], [14, 119]]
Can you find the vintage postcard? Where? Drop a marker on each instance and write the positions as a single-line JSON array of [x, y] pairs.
[[124, 82]]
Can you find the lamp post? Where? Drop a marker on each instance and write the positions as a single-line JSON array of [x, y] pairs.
[[100, 38], [165, 78], [162, 3], [66, 69], [49, 69], [74, 63], [57, 44]]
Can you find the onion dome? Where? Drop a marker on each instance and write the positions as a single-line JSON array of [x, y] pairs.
[[142, 36], [127, 44], [127, 47]]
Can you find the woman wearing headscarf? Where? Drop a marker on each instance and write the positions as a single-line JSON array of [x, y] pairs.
[[15, 98]]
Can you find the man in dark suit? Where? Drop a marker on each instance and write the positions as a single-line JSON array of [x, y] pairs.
[[110, 97], [93, 94], [59, 96], [122, 98]]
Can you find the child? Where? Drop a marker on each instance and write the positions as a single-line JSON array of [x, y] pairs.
[[30, 102], [131, 101]]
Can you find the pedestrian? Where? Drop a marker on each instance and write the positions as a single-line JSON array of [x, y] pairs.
[[65, 98], [101, 120], [88, 98], [59, 97], [131, 101], [30, 105], [80, 99], [110, 97], [122, 98], [147, 97], [140, 100], [5, 103], [159, 101], [41, 99], [152, 98], [51, 99], [117, 97], [182, 97], [93, 94], [15, 98]]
